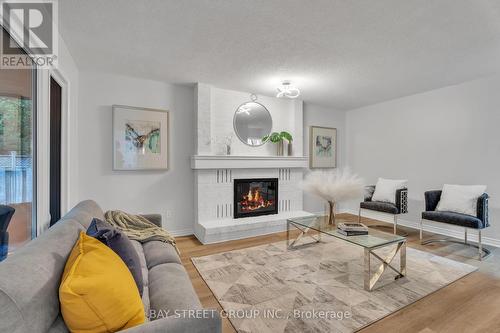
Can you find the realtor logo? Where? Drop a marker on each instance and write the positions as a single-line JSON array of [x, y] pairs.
[[32, 27]]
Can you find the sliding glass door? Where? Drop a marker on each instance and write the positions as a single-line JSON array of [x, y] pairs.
[[17, 153]]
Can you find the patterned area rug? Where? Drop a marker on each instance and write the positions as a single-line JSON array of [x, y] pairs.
[[318, 287]]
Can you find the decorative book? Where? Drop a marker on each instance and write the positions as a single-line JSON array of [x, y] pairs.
[[352, 229], [352, 233]]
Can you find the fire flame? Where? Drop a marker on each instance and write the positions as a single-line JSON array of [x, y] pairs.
[[253, 200]]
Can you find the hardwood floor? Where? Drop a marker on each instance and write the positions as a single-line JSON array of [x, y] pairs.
[[471, 304]]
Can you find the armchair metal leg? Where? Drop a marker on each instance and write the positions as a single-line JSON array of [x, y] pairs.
[[480, 247], [466, 235], [394, 227], [359, 215], [482, 252], [421, 229]]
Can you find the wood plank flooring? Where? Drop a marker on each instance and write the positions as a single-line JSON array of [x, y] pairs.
[[471, 304]]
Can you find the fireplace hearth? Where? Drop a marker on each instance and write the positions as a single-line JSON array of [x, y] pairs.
[[254, 197]]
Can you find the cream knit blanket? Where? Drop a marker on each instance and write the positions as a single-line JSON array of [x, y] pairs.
[[138, 228]]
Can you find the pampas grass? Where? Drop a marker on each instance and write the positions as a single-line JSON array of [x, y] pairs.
[[334, 186]]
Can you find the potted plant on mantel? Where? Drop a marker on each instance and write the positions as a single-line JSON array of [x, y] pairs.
[[278, 138]]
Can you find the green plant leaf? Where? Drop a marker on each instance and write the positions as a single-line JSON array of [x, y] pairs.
[[287, 136], [276, 137]]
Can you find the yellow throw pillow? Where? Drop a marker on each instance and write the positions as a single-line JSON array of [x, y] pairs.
[[97, 291]]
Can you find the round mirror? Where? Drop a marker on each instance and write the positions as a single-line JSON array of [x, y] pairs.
[[252, 121]]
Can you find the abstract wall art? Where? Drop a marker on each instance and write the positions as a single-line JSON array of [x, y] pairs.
[[140, 138], [322, 147]]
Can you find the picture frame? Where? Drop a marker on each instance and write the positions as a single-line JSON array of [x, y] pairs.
[[140, 138], [322, 147]]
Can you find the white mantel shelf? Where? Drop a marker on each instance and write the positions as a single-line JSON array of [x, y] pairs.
[[247, 162]]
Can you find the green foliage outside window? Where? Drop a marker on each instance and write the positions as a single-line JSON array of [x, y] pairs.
[[15, 125]]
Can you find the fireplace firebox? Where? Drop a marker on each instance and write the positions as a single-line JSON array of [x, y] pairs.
[[254, 197]]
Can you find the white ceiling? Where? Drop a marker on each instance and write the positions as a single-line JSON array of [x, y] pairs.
[[343, 54]]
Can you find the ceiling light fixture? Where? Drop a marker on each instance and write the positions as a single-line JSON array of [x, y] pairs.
[[287, 90]]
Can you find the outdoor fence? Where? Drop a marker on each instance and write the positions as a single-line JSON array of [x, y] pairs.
[[16, 179]]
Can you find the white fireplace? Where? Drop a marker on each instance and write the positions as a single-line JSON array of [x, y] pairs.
[[214, 188], [215, 174]]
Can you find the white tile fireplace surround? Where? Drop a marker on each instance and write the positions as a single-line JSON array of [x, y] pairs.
[[214, 189]]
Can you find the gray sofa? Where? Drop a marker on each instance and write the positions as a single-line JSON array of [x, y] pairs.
[[30, 277]]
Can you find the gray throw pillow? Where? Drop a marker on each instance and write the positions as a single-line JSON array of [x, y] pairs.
[[117, 241]]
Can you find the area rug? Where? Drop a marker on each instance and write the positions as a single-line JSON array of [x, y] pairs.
[[316, 288]]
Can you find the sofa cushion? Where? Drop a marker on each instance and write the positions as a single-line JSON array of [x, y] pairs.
[[58, 326], [84, 212], [378, 206], [30, 278], [144, 269], [158, 253], [12, 317], [117, 241], [170, 289], [462, 220], [97, 292]]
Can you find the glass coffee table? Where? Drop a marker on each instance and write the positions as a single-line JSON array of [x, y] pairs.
[[371, 242]]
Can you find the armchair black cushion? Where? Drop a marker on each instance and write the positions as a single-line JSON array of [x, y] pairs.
[[482, 209], [6, 213], [480, 221], [385, 207], [369, 190], [462, 220], [432, 199]]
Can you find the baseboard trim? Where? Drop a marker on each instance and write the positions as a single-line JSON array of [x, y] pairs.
[[428, 227], [182, 232]]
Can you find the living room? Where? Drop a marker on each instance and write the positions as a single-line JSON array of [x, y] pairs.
[[249, 166]]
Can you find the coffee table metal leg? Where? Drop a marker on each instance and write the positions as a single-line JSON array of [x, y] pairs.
[[367, 270], [369, 280], [402, 259], [287, 233], [303, 232]]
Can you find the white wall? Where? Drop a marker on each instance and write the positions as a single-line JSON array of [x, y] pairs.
[[216, 108], [449, 135], [315, 115], [169, 193]]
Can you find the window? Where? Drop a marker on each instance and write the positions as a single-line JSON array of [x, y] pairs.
[[17, 165]]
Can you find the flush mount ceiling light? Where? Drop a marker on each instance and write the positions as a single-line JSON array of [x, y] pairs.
[[287, 90]]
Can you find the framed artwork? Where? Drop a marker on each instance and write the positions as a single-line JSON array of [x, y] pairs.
[[322, 147], [140, 138]]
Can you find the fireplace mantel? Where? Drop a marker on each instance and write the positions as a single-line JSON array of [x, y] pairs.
[[247, 162]]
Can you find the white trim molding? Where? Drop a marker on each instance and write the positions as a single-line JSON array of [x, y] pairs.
[[182, 232], [247, 162], [42, 151], [68, 129]]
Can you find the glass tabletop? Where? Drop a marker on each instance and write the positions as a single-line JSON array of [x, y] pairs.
[[374, 239]]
